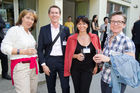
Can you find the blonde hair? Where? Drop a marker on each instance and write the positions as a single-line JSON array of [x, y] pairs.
[[25, 12]]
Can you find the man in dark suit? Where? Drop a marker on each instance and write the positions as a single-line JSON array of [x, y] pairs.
[[136, 38], [3, 57], [52, 59]]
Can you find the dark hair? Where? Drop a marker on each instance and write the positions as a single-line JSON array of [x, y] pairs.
[[25, 12], [93, 18], [84, 19], [119, 13], [105, 18], [54, 6], [69, 17]]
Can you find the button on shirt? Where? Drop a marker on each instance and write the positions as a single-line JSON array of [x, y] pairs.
[[120, 44], [56, 49]]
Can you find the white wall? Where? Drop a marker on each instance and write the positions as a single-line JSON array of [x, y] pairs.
[[93, 8], [98, 7], [43, 6], [102, 10], [60, 4]]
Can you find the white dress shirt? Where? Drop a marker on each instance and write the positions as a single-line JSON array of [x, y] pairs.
[[56, 49], [17, 37]]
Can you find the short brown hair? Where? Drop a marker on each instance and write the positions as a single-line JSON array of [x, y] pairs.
[[54, 6], [25, 12], [119, 13]]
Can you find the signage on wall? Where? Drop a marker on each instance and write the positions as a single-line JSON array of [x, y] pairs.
[[3, 14]]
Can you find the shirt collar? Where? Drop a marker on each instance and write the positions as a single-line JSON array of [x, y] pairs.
[[118, 37], [22, 27], [54, 27]]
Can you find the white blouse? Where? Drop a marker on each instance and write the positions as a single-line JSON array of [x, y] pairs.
[[17, 37]]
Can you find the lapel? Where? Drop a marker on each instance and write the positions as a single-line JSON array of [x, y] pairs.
[[49, 32], [61, 35]]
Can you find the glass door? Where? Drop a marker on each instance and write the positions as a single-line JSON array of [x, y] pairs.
[[7, 12], [82, 8]]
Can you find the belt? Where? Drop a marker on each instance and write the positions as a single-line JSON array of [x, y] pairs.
[[26, 61]]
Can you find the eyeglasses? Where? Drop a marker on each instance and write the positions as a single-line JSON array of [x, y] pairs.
[[117, 22]]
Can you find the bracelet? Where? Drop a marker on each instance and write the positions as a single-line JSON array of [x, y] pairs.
[[18, 51]]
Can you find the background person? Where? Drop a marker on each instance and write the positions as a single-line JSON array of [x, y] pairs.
[[115, 43], [52, 58], [94, 25], [70, 25], [136, 38], [3, 57], [80, 49], [19, 44], [105, 30]]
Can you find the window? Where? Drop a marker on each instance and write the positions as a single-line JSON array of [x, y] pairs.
[[113, 7]]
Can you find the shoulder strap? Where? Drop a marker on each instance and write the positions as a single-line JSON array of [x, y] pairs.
[[61, 29]]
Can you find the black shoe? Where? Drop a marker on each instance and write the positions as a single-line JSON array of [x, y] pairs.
[[6, 77]]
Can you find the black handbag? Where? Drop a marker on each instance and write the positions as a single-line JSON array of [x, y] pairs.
[[61, 29]]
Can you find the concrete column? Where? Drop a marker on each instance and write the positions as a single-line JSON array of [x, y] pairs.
[[98, 7], [43, 6], [102, 10], [93, 8], [60, 4]]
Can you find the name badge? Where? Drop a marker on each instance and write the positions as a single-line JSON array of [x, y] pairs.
[[86, 50], [64, 43]]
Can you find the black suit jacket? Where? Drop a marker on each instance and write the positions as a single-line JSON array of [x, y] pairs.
[[45, 40], [2, 25], [136, 32]]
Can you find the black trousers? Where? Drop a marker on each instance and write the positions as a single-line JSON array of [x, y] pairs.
[[81, 80], [137, 52], [56, 65], [104, 39], [4, 63], [106, 89]]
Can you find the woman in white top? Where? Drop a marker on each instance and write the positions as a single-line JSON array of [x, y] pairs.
[[105, 30], [19, 44]]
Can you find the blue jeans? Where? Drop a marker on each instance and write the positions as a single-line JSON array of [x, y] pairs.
[[106, 89]]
